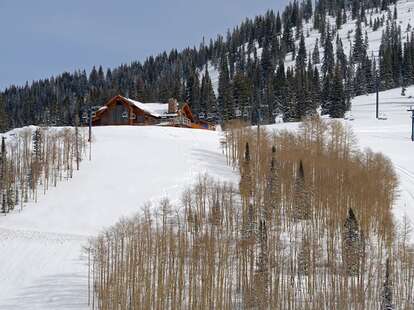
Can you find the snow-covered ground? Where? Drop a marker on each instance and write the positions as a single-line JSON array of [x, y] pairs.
[[41, 260], [391, 137]]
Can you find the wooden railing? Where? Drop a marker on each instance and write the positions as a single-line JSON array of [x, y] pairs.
[[181, 121]]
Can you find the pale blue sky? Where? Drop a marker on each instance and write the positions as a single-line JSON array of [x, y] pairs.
[[40, 38]]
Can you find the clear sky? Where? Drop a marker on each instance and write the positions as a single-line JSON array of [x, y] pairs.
[[41, 38]]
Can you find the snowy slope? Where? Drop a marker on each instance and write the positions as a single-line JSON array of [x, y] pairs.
[[391, 137], [41, 260], [405, 17]]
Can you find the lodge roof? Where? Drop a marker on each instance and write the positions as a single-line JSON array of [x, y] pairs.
[[158, 110]]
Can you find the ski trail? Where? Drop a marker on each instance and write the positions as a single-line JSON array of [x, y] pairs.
[[43, 264]]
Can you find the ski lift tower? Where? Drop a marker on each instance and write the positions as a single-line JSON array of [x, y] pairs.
[[411, 109]]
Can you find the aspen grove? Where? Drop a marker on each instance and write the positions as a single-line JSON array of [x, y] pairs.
[[309, 226], [33, 159]]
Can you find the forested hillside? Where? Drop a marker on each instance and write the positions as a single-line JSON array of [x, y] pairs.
[[288, 63]]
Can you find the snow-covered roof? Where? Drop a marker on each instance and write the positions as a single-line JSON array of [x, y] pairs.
[[155, 109]]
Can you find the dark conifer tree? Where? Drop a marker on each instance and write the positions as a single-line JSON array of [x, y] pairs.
[[352, 245], [337, 107], [242, 94], [387, 295], [301, 57], [315, 54], [328, 64], [246, 178], [338, 21], [301, 198], [207, 96], [225, 99], [3, 167], [278, 24], [341, 57], [355, 8], [280, 88], [359, 49], [287, 39], [4, 122]]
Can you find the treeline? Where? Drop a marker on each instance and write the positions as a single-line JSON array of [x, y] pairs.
[[309, 227], [33, 159], [252, 75]]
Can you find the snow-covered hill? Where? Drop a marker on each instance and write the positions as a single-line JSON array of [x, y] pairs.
[[405, 17], [41, 260], [391, 137]]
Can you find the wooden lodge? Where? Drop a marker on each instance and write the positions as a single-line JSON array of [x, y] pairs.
[[124, 111]]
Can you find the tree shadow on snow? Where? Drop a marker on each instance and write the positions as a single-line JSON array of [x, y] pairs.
[[215, 164], [66, 291]]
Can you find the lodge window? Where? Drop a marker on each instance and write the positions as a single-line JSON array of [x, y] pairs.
[[119, 110]]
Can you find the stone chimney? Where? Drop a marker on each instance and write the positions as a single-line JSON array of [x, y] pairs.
[[172, 106]]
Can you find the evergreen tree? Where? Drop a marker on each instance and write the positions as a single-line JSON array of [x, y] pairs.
[[301, 198], [355, 8], [225, 99], [326, 94], [359, 49], [342, 61], [273, 189], [280, 88], [278, 24], [208, 98], [352, 245], [288, 40], [242, 94], [301, 57], [262, 269], [337, 108], [386, 296], [329, 58], [316, 88], [193, 92], [304, 257], [315, 55], [339, 19], [246, 178], [37, 144], [4, 123], [289, 102], [407, 67], [3, 165]]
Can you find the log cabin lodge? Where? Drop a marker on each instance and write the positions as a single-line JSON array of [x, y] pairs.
[[124, 111]]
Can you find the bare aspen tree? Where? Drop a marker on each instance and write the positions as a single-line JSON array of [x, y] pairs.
[[32, 159]]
